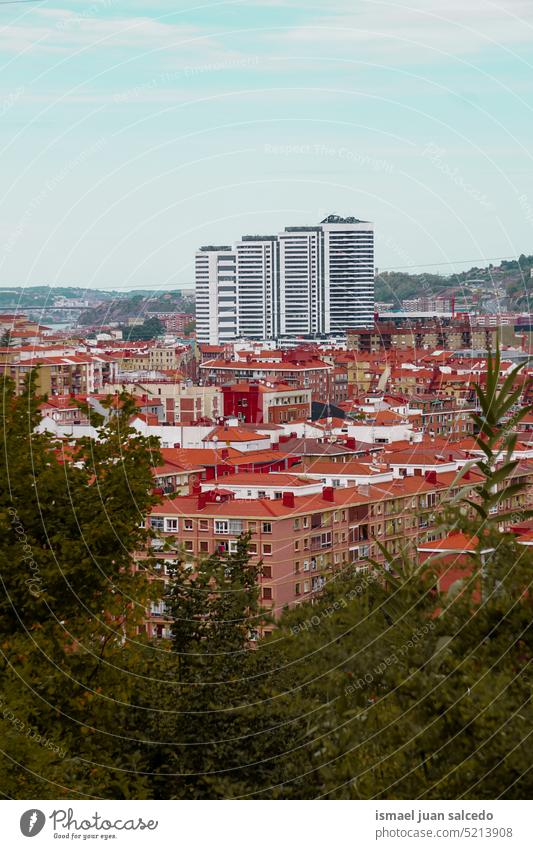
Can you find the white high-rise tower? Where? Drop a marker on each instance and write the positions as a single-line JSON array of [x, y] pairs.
[[216, 295]]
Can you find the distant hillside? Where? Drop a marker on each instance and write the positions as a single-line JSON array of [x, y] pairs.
[[511, 279], [25, 297], [137, 305]]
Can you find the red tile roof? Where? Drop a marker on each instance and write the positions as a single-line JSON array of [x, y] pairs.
[[233, 434]]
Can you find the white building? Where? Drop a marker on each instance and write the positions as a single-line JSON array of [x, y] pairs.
[[257, 286], [348, 274], [216, 295], [304, 281]]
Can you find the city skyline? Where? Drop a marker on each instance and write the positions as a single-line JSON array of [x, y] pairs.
[[135, 133], [309, 280]]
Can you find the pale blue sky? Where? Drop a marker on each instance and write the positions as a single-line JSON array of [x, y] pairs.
[[131, 134]]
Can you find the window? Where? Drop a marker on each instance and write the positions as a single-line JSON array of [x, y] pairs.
[[235, 526], [306, 586], [157, 523], [267, 548], [267, 571], [278, 495], [267, 527], [306, 521], [296, 524], [171, 525], [252, 527], [252, 548], [187, 525], [306, 565], [204, 546], [296, 566], [221, 526], [297, 589], [188, 545], [267, 593], [261, 493], [296, 544], [203, 524]]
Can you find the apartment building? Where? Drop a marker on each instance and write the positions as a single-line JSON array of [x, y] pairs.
[[216, 295], [443, 416], [257, 302], [174, 322], [76, 374], [303, 539], [302, 374], [447, 335], [304, 281], [257, 403], [133, 361]]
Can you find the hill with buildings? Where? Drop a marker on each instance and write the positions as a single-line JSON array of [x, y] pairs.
[[510, 280]]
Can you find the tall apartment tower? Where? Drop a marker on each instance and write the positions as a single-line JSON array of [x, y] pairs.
[[257, 286], [348, 277], [301, 262], [216, 295], [305, 281]]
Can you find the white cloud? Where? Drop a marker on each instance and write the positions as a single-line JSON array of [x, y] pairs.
[[457, 26], [65, 31]]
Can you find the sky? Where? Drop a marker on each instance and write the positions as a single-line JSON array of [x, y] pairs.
[[131, 133]]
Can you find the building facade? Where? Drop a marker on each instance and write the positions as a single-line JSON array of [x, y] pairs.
[[216, 295], [307, 281]]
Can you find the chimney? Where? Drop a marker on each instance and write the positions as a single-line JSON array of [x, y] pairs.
[[328, 493], [350, 442], [195, 487], [224, 454], [288, 499], [202, 500], [431, 477]]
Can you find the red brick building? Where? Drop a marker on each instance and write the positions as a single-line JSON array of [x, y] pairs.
[[302, 540], [256, 403]]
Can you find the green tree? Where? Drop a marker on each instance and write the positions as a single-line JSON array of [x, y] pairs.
[[229, 729], [71, 604], [149, 329]]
